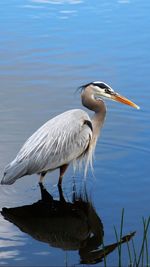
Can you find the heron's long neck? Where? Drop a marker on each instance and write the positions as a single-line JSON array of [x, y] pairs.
[[98, 107], [98, 119]]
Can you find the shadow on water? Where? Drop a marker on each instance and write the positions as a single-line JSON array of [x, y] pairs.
[[69, 225]]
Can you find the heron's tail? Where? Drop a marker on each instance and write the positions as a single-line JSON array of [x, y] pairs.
[[14, 171]]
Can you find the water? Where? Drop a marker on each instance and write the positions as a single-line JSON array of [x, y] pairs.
[[48, 49]]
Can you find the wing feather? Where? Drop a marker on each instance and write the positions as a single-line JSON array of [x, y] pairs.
[[59, 141]]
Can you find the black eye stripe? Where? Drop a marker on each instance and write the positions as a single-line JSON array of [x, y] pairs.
[[104, 86], [107, 91], [101, 85]]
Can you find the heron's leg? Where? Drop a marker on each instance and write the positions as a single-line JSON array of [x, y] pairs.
[[61, 196], [45, 196], [42, 175], [63, 168]]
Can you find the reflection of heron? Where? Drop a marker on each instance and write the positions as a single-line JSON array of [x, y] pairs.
[[72, 225], [69, 136]]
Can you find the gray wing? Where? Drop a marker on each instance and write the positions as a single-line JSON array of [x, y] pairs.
[[59, 141]]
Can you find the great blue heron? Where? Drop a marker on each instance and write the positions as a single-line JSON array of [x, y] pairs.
[[66, 138]]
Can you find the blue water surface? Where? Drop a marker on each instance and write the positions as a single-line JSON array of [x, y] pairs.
[[47, 49]]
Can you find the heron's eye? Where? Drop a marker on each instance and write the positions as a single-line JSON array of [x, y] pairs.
[[107, 91]]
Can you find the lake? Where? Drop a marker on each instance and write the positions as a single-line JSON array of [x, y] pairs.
[[48, 48]]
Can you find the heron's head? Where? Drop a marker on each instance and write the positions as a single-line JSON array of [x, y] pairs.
[[100, 89]]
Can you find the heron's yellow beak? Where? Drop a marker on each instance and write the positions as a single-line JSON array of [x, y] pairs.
[[124, 100]]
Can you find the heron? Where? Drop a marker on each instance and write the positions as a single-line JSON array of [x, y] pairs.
[[66, 138]]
